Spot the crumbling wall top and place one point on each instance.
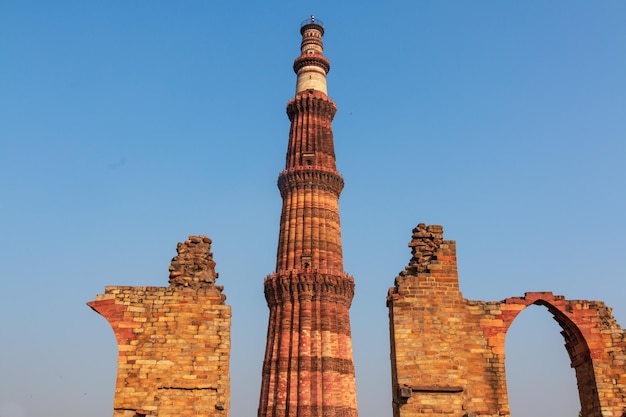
(193, 266)
(424, 244)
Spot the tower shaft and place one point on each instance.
(308, 369)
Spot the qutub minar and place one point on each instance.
(308, 368)
(446, 352)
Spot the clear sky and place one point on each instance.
(126, 126)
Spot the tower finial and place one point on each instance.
(311, 66)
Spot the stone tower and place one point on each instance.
(308, 369)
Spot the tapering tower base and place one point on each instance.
(308, 369)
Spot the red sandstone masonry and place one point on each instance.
(448, 352)
(173, 343)
(308, 369)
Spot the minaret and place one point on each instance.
(308, 369)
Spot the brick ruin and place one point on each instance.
(447, 352)
(173, 342)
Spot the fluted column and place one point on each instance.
(308, 369)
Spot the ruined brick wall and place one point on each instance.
(174, 342)
(441, 363)
(594, 341)
(447, 352)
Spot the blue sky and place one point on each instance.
(129, 125)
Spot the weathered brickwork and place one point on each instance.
(194, 266)
(173, 343)
(447, 352)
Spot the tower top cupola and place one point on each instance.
(311, 66)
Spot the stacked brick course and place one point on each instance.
(447, 352)
(173, 343)
(194, 266)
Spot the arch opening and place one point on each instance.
(540, 378)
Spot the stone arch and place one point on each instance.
(447, 352)
(594, 341)
(575, 343)
(579, 354)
